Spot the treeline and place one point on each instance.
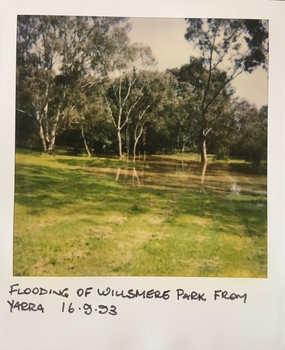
(81, 84)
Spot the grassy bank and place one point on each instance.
(73, 218)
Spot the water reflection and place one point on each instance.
(129, 173)
(236, 188)
(204, 167)
(174, 175)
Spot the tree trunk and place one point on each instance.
(42, 130)
(136, 140)
(52, 138)
(128, 141)
(42, 136)
(120, 144)
(44, 122)
(85, 142)
(135, 149)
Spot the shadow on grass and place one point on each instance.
(176, 228)
(241, 215)
(40, 187)
(97, 162)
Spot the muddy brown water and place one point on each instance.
(160, 173)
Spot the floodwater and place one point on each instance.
(161, 173)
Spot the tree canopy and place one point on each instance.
(81, 84)
(225, 49)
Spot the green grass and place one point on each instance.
(72, 218)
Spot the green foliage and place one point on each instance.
(240, 44)
(204, 104)
(56, 58)
(226, 48)
(223, 153)
(138, 101)
(81, 86)
(250, 142)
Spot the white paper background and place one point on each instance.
(148, 324)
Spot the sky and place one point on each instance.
(166, 38)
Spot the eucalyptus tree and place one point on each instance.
(35, 75)
(225, 48)
(55, 56)
(88, 120)
(192, 79)
(159, 97)
(125, 91)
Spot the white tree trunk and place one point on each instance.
(85, 142)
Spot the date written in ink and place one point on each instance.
(88, 309)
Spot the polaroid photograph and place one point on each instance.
(143, 190)
(132, 165)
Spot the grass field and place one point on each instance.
(74, 218)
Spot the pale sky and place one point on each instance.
(166, 38)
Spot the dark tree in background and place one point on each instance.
(250, 139)
(225, 48)
(193, 79)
